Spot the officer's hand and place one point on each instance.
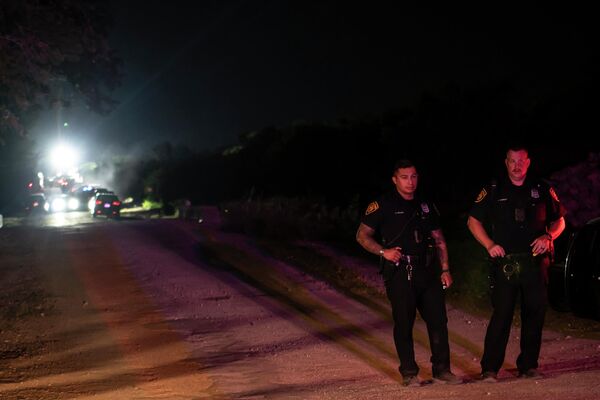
(496, 250)
(392, 254)
(446, 279)
(540, 245)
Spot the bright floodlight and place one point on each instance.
(64, 158)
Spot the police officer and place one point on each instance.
(408, 228)
(523, 216)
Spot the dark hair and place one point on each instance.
(517, 146)
(403, 163)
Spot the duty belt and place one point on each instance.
(409, 260)
(514, 264)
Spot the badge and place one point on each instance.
(554, 195)
(481, 195)
(374, 206)
(534, 193)
(425, 208)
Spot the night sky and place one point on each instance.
(201, 74)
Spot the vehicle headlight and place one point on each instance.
(73, 203)
(58, 205)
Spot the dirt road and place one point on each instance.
(169, 309)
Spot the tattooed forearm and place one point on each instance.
(364, 236)
(442, 249)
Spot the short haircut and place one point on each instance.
(517, 146)
(403, 163)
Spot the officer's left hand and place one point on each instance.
(446, 279)
(540, 245)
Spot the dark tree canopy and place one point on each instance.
(53, 53)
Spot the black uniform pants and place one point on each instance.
(424, 293)
(531, 286)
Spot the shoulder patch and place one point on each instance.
(481, 195)
(374, 206)
(554, 195)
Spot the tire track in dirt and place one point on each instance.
(261, 271)
(104, 339)
(154, 354)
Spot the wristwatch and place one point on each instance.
(381, 252)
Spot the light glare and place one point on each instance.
(64, 158)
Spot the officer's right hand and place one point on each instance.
(495, 250)
(392, 254)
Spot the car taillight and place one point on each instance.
(116, 203)
(98, 202)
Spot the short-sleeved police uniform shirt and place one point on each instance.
(403, 223)
(517, 214)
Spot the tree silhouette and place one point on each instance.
(52, 53)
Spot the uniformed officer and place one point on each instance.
(409, 228)
(523, 216)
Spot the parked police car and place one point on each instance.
(582, 271)
(574, 283)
